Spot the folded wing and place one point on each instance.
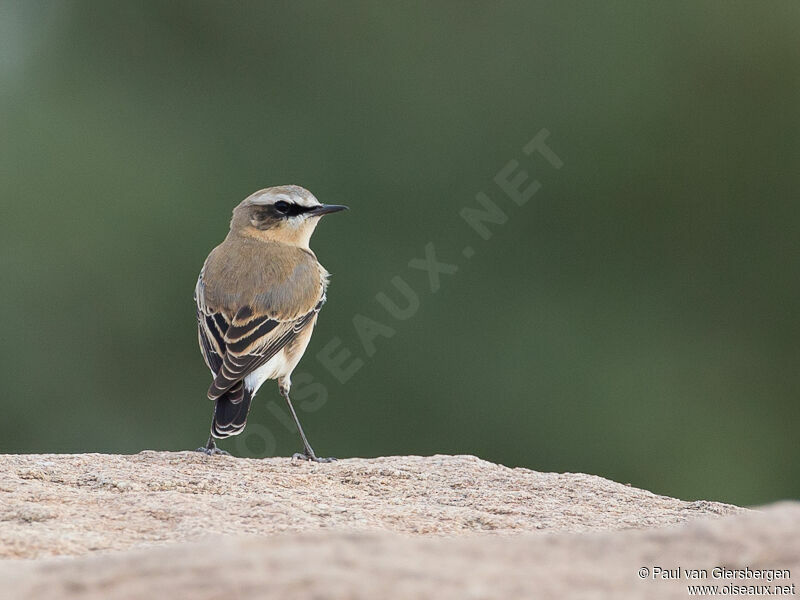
(233, 347)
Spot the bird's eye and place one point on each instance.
(282, 206)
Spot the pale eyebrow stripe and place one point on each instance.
(306, 202)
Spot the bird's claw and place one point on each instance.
(311, 457)
(213, 451)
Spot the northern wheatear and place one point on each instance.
(258, 296)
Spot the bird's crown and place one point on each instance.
(290, 194)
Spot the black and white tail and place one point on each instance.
(230, 411)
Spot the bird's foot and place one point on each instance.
(214, 451)
(211, 449)
(311, 457)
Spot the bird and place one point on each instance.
(258, 297)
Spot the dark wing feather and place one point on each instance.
(212, 340)
(251, 342)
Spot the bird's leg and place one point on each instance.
(211, 448)
(308, 453)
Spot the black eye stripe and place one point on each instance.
(289, 209)
(279, 210)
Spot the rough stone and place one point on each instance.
(188, 525)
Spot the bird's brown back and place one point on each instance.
(272, 278)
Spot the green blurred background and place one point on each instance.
(638, 319)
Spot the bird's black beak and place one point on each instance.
(325, 209)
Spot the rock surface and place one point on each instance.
(394, 527)
(389, 566)
(73, 504)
